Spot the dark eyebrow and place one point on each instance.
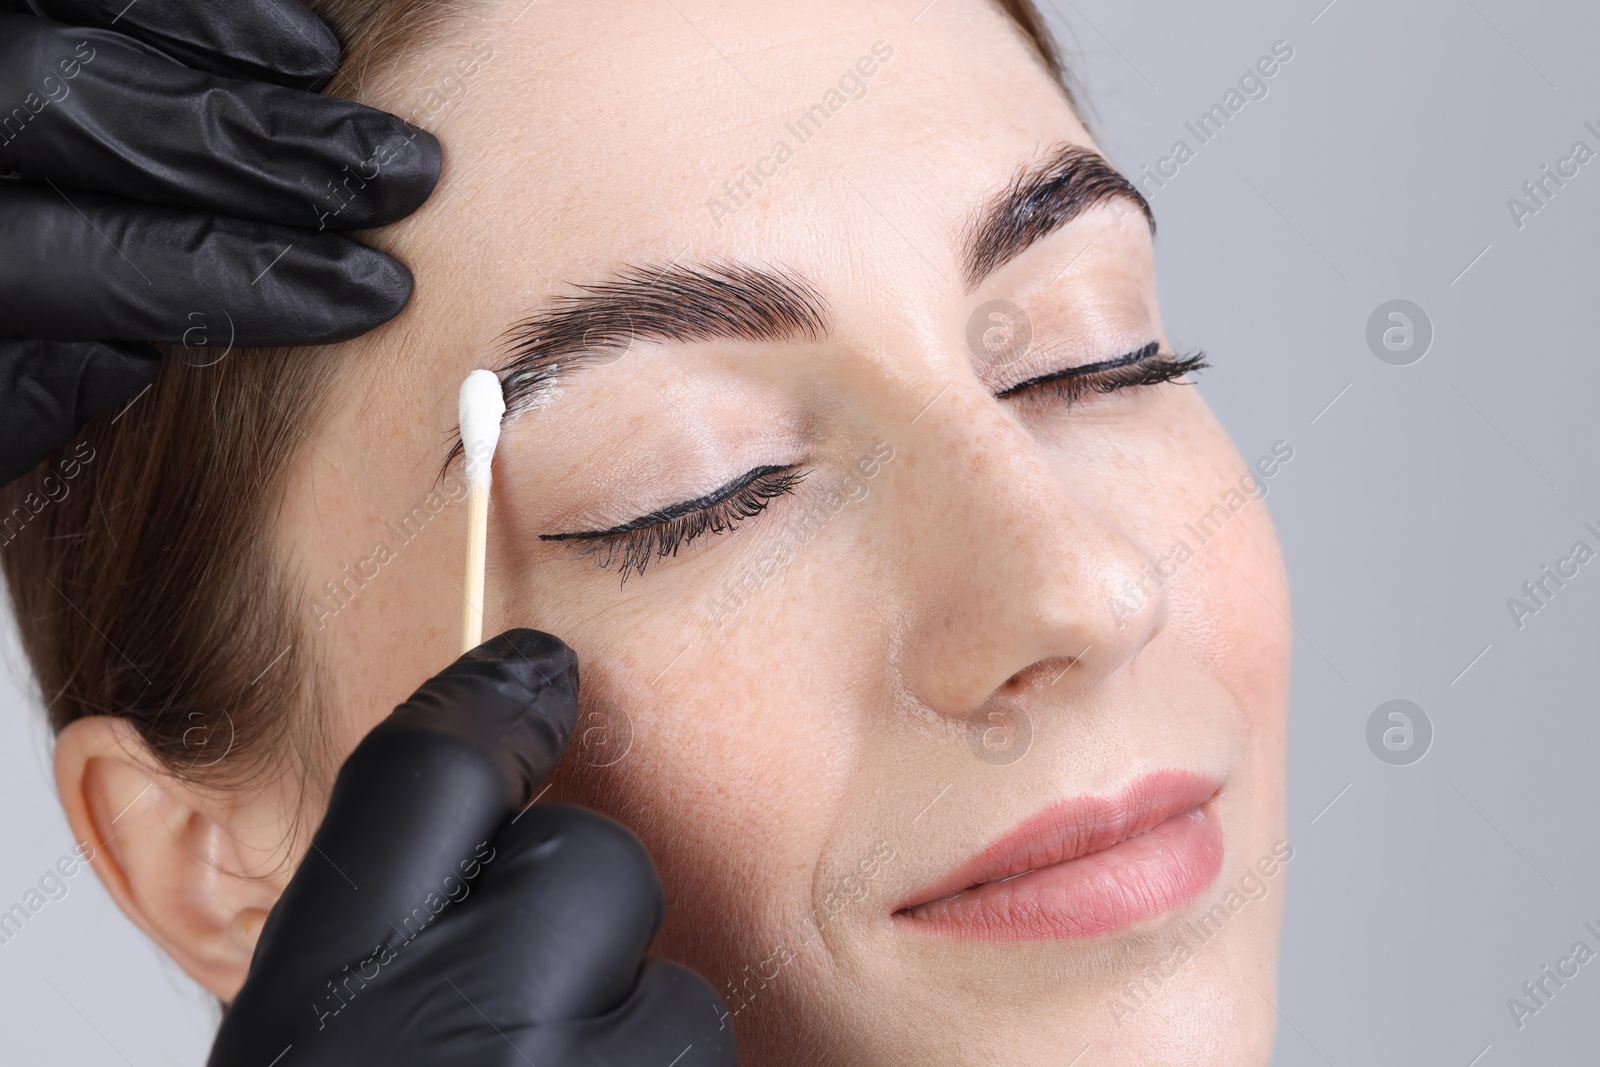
(720, 301)
(1041, 199)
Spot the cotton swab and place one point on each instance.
(480, 407)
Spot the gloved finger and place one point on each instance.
(100, 111)
(673, 1017)
(49, 389)
(262, 40)
(575, 901)
(414, 804)
(101, 267)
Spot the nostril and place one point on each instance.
(1043, 673)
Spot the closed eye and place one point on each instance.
(1147, 366)
(633, 544)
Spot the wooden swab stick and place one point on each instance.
(477, 543)
(480, 408)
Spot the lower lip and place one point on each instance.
(1101, 893)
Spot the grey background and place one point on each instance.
(1419, 500)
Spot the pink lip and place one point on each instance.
(1083, 867)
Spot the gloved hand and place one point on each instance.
(431, 923)
(175, 178)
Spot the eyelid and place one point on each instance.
(1135, 370)
(654, 536)
(1084, 369)
(665, 515)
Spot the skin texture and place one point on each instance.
(762, 756)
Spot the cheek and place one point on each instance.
(1229, 602)
(1231, 613)
(1234, 610)
(729, 751)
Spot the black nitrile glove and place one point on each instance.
(174, 177)
(431, 924)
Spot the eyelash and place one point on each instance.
(662, 533)
(1143, 367)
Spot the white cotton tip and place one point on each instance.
(481, 406)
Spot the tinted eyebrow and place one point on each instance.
(681, 303)
(1041, 199)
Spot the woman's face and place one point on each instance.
(904, 605)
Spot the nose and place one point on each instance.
(1015, 573)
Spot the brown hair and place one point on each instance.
(140, 559)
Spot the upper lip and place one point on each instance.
(1074, 827)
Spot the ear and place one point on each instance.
(169, 852)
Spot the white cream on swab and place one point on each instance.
(480, 408)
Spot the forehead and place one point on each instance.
(589, 133)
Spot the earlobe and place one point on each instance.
(165, 850)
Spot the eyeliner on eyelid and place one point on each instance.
(1136, 356)
(1146, 366)
(662, 533)
(675, 511)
